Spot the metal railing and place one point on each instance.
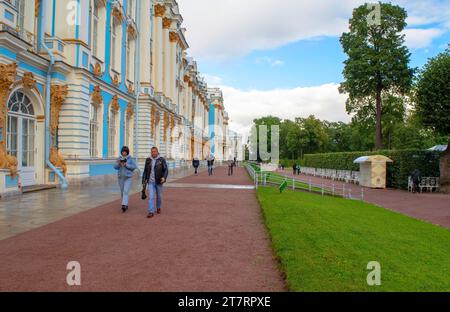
(268, 178)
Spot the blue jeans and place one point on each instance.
(125, 187)
(154, 190)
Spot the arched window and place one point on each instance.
(20, 130)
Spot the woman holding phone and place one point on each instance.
(125, 166)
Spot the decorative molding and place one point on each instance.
(115, 80)
(97, 98)
(130, 89)
(166, 125)
(7, 77)
(58, 96)
(174, 37)
(58, 160)
(8, 161)
(117, 13)
(28, 80)
(153, 119)
(160, 10)
(167, 22)
(98, 69)
(37, 6)
(131, 31)
(130, 110)
(115, 103)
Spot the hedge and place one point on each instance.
(405, 161)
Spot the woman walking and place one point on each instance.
(125, 166)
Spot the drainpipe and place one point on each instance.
(137, 79)
(64, 183)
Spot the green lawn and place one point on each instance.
(325, 244)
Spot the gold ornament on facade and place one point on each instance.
(166, 125)
(8, 161)
(117, 13)
(173, 37)
(58, 160)
(157, 118)
(167, 22)
(186, 79)
(97, 69)
(7, 77)
(58, 96)
(130, 88)
(97, 98)
(130, 110)
(172, 126)
(160, 10)
(153, 119)
(115, 80)
(115, 103)
(131, 31)
(37, 5)
(28, 81)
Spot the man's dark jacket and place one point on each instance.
(161, 170)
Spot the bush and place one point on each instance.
(405, 161)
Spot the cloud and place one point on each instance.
(417, 38)
(223, 29)
(323, 101)
(269, 61)
(212, 81)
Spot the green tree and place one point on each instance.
(433, 94)
(377, 60)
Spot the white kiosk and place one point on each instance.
(373, 171)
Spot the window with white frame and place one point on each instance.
(128, 130)
(95, 28)
(112, 133)
(93, 131)
(130, 8)
(129, 58)
(114, 40)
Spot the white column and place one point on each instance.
(166, 62)
(145, 30)
(158, 47)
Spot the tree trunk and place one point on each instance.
(445, 170)
(378, 130)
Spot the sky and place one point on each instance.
(283, 57)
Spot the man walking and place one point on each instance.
(210, 161)
(154, 177)
(196, 164)
(231, 165)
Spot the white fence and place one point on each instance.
(332, 174)
(265, 178)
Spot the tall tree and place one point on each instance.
(433, 105)
(433, 94)
(377, 58)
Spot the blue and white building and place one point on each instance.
(80, 79)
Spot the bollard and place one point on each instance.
(323, 190)
(362, 194)
(293, 184)
(333, 189)
(310, 189)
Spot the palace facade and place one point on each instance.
(80, 79)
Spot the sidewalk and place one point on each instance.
(431, 207)
(205, 240)
(29, 211)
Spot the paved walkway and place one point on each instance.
(206, 240)
(32, 210)
(430, 207)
